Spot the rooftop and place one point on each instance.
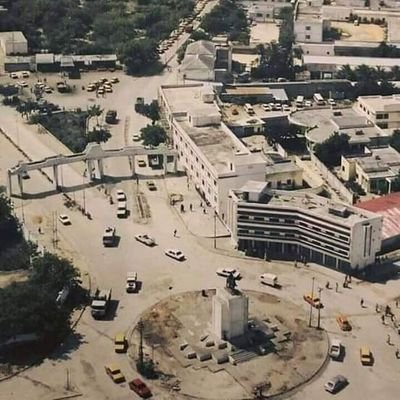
(381, 103)
(15, 36)
(352, 61)
(389, 207)
(343, 214)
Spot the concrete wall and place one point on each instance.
(336, 13)
(308, 31)
(317, 49)
(332, 180)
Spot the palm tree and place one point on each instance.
(93, 111)
(346, 72)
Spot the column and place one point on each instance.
(55, 173)
(9, 183)
(100, 164)
(89, 169)
(21, 188)
(175, 163)
(165, 164)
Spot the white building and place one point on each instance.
(214, 159)
(298, 226)
(383, 111)
(13, 43)
(310, 30)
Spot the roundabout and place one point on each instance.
(278, 352)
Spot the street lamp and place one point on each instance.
(312, 296)
(319, 309)
(215, 229)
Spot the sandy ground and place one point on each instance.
(360, 33)
(264, 33)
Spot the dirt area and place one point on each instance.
(264, 33)
(360, 33)
(172, 330)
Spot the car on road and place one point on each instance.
(145, 239)
(175, 254)
(120, 343)
(140, 388)
(114, 372)
(91, 87)
(313, 300)
(151, 186)
(343, 323)
(121, 196)
(64, 219)
(25, 74)
(23, 83)
(142, 163)
(336, 384)
(136, 138)
(331, 102)
(14, 75)
(225, 272)
(335, 349)
(48, 89)
(366, 356)
(114, 79)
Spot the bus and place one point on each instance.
(299, 101)
(249, 109)
(319, 99)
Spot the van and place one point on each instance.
(319, 99)
(121, 211)
(249, 109)
(269, 279)
(366, 356)
(299, 101)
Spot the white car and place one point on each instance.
(25, 74)
(225, 272)
(14, 75)
(48, 89)
(23, 83)
(331, 102)
(145, 239)
(114, 80)
(64, 219)
(286, 107)
(266, 107)
(307, 103)
(136, 138)
(336, 349)
(121, 196)
(175, 254)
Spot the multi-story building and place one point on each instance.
(383, 111)
(214, 159)
(300, 226)
(310, 29)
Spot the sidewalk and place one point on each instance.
(197, 216)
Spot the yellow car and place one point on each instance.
(366, 356)
(120, 343)
(313, 300)
(114, 372)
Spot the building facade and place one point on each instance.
(383, 111)
(310, 30)
(298, 226)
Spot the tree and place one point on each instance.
(10, 229)
(93, 111)
(395, 139)
(286, 31)
(98, 135)
(331, 150)
(138, 55)
(153, 135)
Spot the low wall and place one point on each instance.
(332, 180)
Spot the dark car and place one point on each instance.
(140, 388)
(336, 383)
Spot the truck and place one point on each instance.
(269, 279)
(111, 117)
(100, 303)
(109, 236)
(131, 282)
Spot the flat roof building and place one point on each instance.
(299, 226)
(13, 43)
(383, 111)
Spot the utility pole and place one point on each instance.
(84, 200)
(311, 306)
(140, 355)
(319, 309)
(215, 229)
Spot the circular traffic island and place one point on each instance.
(277, 353)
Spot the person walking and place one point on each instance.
(175, 232)
(397, 353)
(388, 339)
(191, 207)
(362, 303)
(337, 287)
(383, 319)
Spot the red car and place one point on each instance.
(140, 388)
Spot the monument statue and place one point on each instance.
(231, 282)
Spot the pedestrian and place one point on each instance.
(327, 284)
(337, 287)
(39, 230)
(392, 317)
(295, 263)
(362, 303)
(191, 206)
(388, 339)
(201, 204)
(349, 280)
(175, 232)
(376, 307)
(397, 304)
(383, 319)
(397, 353)
(204, 211)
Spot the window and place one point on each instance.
(383, 125)
(274, 219)
(308, 37)
(308, 28)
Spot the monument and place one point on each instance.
(230, 311)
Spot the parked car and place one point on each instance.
(343, 322)
(151, 186)
(25, 74)
(331, 102)
(23, 83)
(366, 356)
(313, 300)
(141, 163)
(114, 372)
(120, 195)
(336, 384)
(25, 175)
(225, 272)
(64, 219)
(145, 239)
(114, 79)
(140, 388)
(308, 103)
(13, 75)
(335, 349)
(48, 89)
(120, 343)
(136, 138)
(175, 254)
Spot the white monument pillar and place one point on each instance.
(230, 313)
